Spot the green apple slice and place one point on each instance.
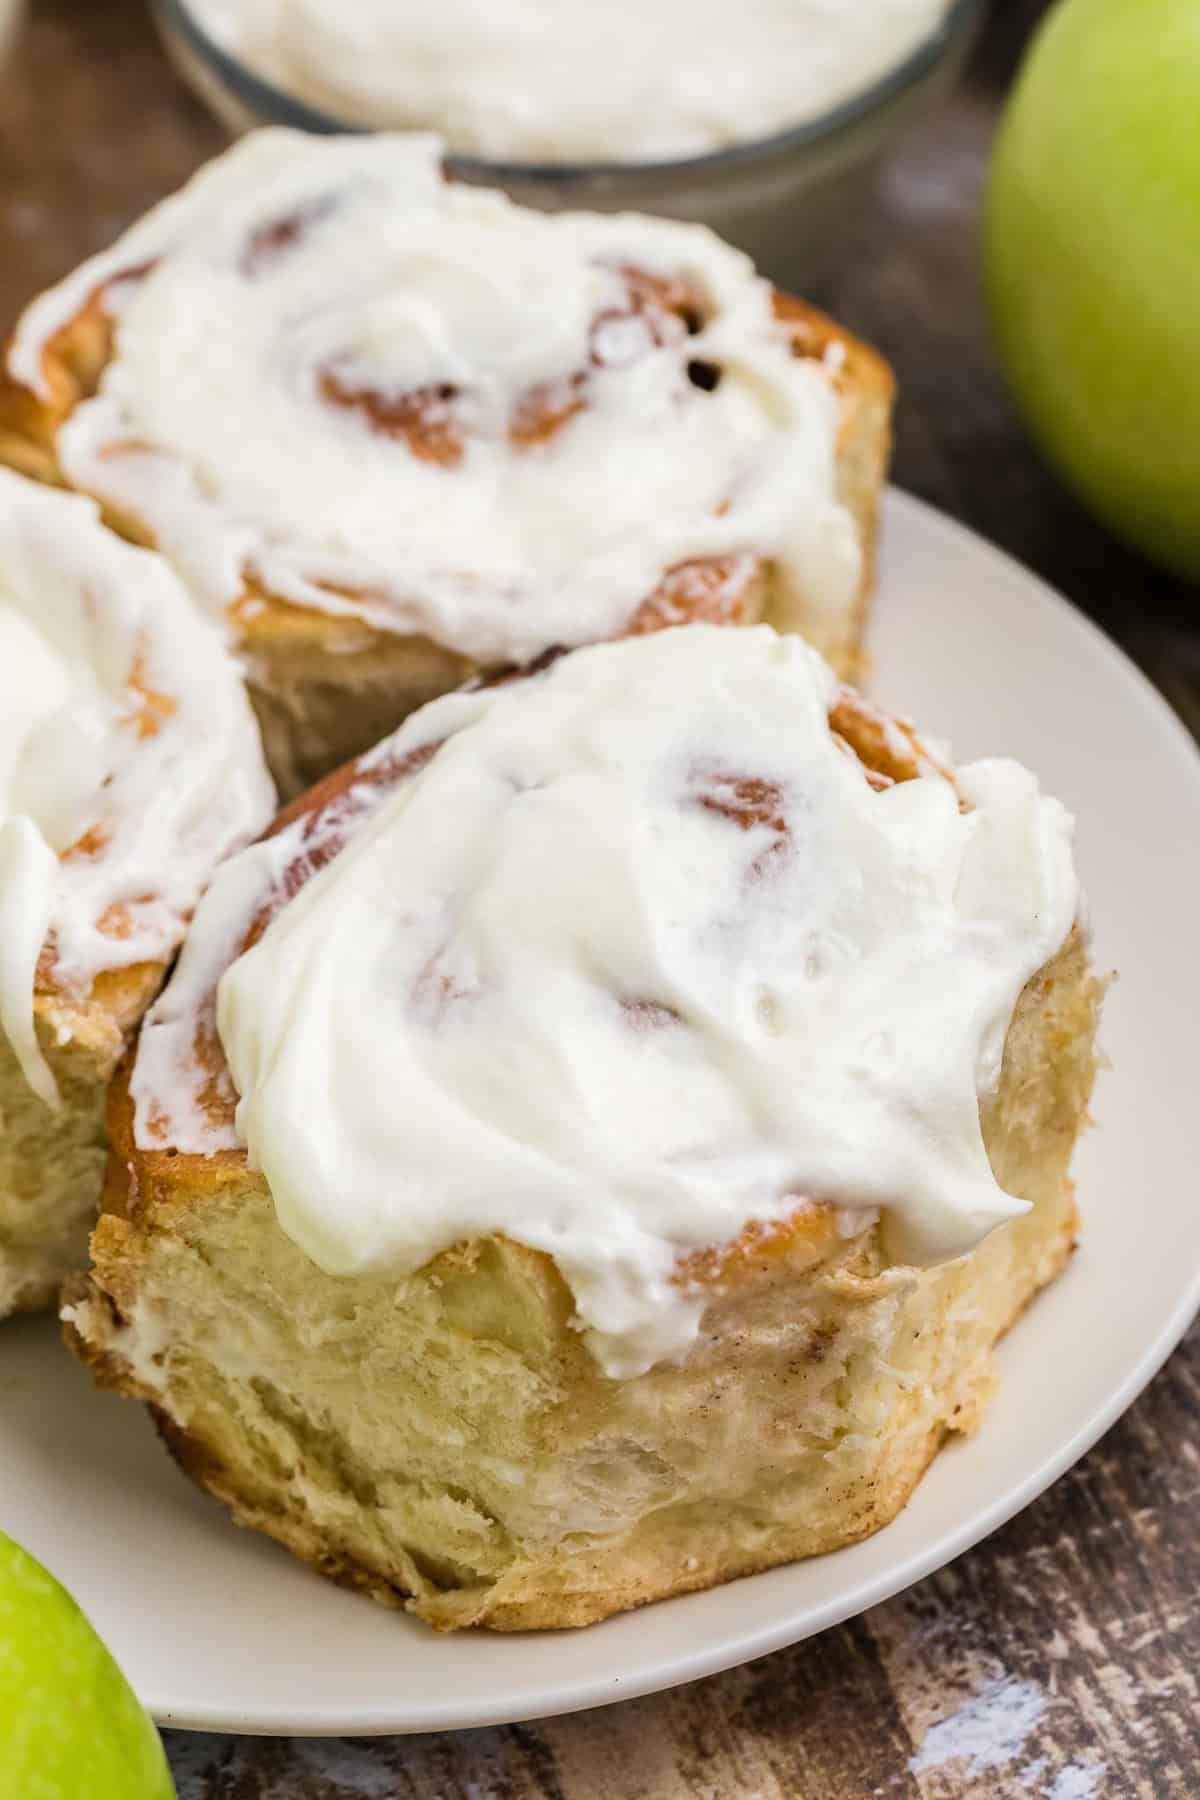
(71, 1727)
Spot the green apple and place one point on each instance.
(70, 1726)
(1092, 261)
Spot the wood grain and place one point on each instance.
(1081, 1617)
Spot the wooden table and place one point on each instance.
(1065, 1651)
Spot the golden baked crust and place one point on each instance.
(326, 686)
(445, 1440)
(52, 1164)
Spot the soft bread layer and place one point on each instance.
(52, 1163)
(447, 1442)
(326, 687)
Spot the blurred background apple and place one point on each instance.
(1092, 261)
(71, 1727)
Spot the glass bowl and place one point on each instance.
(790, 200)
(11, 13)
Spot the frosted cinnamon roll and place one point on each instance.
(395, 429)
(589, 1148)
(130, 764)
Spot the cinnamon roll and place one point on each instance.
(395, 430)
(130, 763)
(590, 1146)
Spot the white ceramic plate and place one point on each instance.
(220, 1629)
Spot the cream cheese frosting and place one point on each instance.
(637, 957)
(129, 756)
(569, 80)
(344, 381)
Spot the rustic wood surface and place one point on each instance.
(1061, 1657)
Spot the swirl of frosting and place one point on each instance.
(670, 939)
(130, 761)
(330, 376)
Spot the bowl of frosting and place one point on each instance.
(765, 120)
(11, 12)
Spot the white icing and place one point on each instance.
(214, 423)
(569, 80)
(169, 1080)
(28, 873)
(88, 627)
(551, 988)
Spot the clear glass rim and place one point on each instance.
(254, 90)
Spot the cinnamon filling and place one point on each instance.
(421, 418)
(660, 310)
(270, 243)
(746, 800)
(713, 590)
